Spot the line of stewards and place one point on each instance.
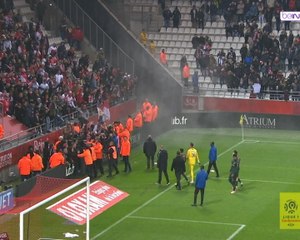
(125, 152)
(88, 160)
(112, 159)
(56, 159)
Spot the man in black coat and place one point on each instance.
(178, 165)
(162, 164)
(149, 150)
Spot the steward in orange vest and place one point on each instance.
(36, 163)
(57, 159)
(163, 57)
(24, 166)
(129, 124)
(88, 160)
(98, 147)
(125, 152)
(186, 74)
(154, 112)
(112, 159)
(138, 120)
(148, 115)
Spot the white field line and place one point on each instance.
(272, 142)
(266, 181)
(241, 226)
(185, 220)
(151, 200)
(236, 232)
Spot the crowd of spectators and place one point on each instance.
(40, 82)
(269, 57)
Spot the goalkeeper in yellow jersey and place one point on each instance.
(192, 158)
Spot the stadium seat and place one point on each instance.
(187, 30)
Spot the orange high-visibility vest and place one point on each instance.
(148, 115)
(98, 150)
(94, 157)
(129, 124)
(125, 148)
(24, 165)
(154, 112)
(56, 159)
(138, 120)
(115, 154)
(87, 156)
(186, 71)
(163, 58)
(37, 163)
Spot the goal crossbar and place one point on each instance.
(85, 180)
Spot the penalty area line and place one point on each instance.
(241, 226)
(236, 232)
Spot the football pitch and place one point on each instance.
(269, 165)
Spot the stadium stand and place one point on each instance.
(44, 78)
(236, 25)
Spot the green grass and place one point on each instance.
(269, 165)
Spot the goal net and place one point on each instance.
(31, 220)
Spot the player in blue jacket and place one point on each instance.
(200, 184)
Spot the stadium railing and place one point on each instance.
(96, 36)
(24, 136)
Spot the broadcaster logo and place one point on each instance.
(290, 16)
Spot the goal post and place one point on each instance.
(85, 181)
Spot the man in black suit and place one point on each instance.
(178, 165)
(162, 164)
(149, 150)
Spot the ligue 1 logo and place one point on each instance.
(290, 206)
(290, 16)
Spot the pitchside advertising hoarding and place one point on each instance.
(290, 16)
(232, 120)
(6, 201)
(102, 197)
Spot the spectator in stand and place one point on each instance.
(40, 10)
(167, 15)
(24, 166)
(194, 14)
(176, 15)
(143, 37)
(200, 18)
(76, 37)
(163, 57)
(152, 47)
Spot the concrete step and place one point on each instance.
(20, 4)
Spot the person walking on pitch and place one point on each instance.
(212, 156)
(200, 184)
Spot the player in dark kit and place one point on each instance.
(239, 181)
(178, 165)
(234, 172)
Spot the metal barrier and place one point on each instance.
(96, 36)
(24, 136)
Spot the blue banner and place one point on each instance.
(6, 201)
